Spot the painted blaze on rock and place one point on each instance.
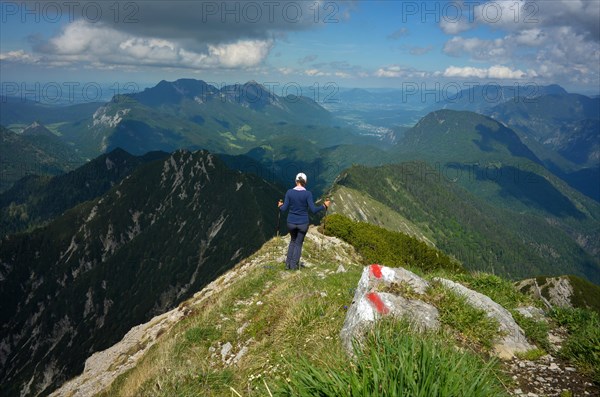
(371, 302)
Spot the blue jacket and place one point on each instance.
(298, 202)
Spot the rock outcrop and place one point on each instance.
(400, 293)
(514, 339)
(553, 291)
(371, 302)
(102, 368)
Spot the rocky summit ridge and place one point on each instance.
(249, 327)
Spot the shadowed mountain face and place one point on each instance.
(564, 131)
(482, 98)
(156, 237)
(489, 160)
(35, 200)
(567, 124)
(529, 188)
(448, 135)
(418, 199)
(35, 151)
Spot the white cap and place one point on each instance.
(301, 175)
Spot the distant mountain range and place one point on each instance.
(567, 124)
(88, 250)
(35, 200)
(489, 160)
(35, 151)
(78, 284)
(563, 131)
(419, 200)
(482, 98)
(193, 114)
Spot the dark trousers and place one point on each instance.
(297, 234)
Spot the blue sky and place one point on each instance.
(350, 43)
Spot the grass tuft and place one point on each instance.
(394, 361)
(583, 344)
(455, 312)
(531, 355)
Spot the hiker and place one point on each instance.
(298, 200)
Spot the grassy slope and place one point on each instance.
(412, 198)
(282, 318)
(287, 323)
(286, 315)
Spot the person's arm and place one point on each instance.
(311, 204)
(286, 202)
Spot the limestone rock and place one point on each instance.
(370, 304)
(553, 291)
(514, 340)
(531, 312)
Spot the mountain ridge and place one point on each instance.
(250, 330)
(125, 253)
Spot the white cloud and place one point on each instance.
(555, 41)
(451, 26)
(390, 71)
(199, 23)
(513, 15)
(19, 56)
(101, 46)
(493, 72)
(315, 73)
(244, 53)
(581, 15)
(531, 37)
(286, 71)
(478, 49)
(342, 75)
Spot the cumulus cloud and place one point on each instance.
(559, 39)
(322, 73)
(493, 72)
(512, 16)
(314, 73)
(390, 71)
(478, 49)
(396, 71)
(18, 56)
(580, 15)
(286, 71)
(99, 45)
(198, 23)
(184, 34)
(452, 26)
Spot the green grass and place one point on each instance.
(531, 355)
(499, 289)
(295, 348)
(394, 362)
(585, 294)
(583, 344)
(536, 331)
(474, 324)
(388, 248)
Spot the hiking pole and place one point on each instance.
(278, 216)
(278, 226)
(324, 221)
(325, 218)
